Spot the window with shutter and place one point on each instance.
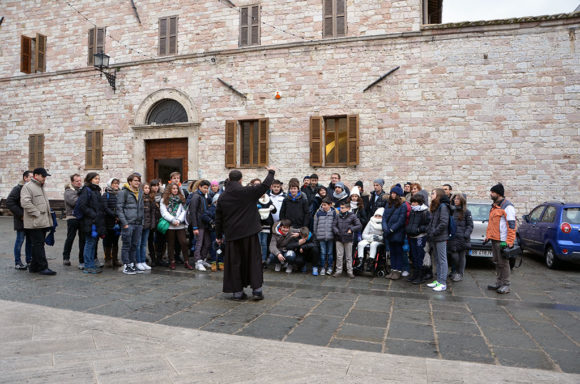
(168, 35)
(25, 54)
(94, 150)
(35, 151)
(334, 141)
(250, 25)
(334, 18)
(253, 146)
(96, 44)
(40, 64)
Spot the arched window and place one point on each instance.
(167, 111)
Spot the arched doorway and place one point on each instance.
(166, 133)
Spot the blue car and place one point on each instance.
(552, 229)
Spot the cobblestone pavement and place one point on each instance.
(536, 326)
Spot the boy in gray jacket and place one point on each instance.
(322, 228)
(345, 225)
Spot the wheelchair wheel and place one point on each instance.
(381, 273)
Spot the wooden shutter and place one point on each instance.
(163, 36)
(340, 19)
(172, 48)
(328, 26)
(263, 142)
(316, 141)
(100, 40)
(25, 54)
(244, 27)
(40, 53)
(94, 150)
(353, 139)
(255, 23)
(91, 47)
(231, 142)
(35, 151)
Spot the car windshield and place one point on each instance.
(571, 215)
(479, 212)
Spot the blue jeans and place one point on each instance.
(290, 257)
(396, 251)
(131, 237)
(326, 249)
(20, 237)
(90, 250)
(263, 237)
(142, 251)
(417, 248)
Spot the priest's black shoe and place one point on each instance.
(493, 287)
(257, 296)
(240, 298)
(47, 272)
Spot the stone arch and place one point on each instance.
(166, 93)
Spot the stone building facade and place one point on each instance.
(470, 103)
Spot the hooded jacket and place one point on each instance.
(280, 243)
(296, 210)
(343, 223)
(35, 206)
(394, 223)
(13, 204)
(374, 229)
(91, 204)
(130, 210)
(110, 201)
(277, 200)
(71, 195)
(266, 208)
(323, 224)
(438, 229)
(375, 201)
(462, 238)
(198, 204)
(418, 221)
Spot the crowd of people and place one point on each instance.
(308, 227)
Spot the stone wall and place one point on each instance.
(469, 106)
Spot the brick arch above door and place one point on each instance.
(167, 93)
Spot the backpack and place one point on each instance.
(77, 211)
(452, 226)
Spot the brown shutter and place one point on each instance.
(231, 139)
(316, 141)
(98, 149)
(353, 139)
(91, 47)
(244, 27)
(25, 53)
(327, 16)
(100, 40)
(172, 49)
(40, 53)
(255, 21)
(162, 36)
(340, 17)
(89, 149)
(32, 151)
(40, 151)
(263, 142)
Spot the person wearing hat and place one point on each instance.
(501, 230)
(340, 194)
(363, 194)
(372, 235)
(37, 220)
(376, 198)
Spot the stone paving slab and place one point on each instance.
(115, 350)
(465, 323)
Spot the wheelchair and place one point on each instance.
(373, 267)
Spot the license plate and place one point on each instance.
(480, 253)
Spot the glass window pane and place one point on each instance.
(342, 140)
(549, 215)
(536, 213)
(572, 215)
(329, 140)
(245, 147)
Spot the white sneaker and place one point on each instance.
(405, 274)
(144, 265)
(199, 266)
(206, 264)
(433, 284)
(277, 267)
(140, 267)
(81, 266)
(136, 269)
(288, 268)
(440, 287)
(322, 272)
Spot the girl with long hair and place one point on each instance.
(460, 243)
(438, 234)
(173, 210)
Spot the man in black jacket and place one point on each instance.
(13, 204)
(295, 206)
(73, 225)
(237, 218)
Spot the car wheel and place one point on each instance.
(551, 259)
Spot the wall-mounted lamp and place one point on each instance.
(102, 61)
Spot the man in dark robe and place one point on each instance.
(238, 220)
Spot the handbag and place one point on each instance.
(163, 226)
(511, 253)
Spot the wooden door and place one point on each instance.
(165, 156)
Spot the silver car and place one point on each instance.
(480, 215)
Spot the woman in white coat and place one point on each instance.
(173, 210)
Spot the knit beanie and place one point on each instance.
(398, 190)
(359, 184)
(355, 191)
(339, 184)
(214, 182)
(379, 211)
(380, 182)
(498, 188)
